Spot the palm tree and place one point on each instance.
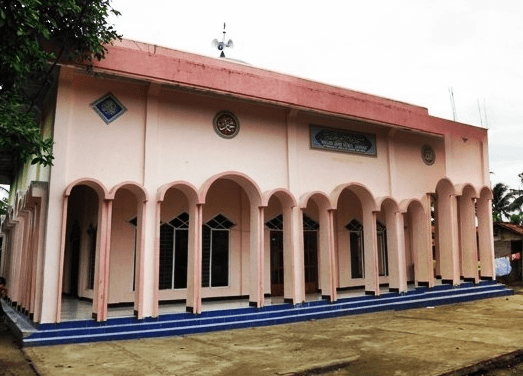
(3, 200)
(501, 205)
(517, 195)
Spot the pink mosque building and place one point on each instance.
(181, 180)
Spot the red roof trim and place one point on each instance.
(148, 62)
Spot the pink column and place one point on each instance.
(468, 243)
(448, 237)
(370, 245)
(396, 251)
(333, 267)
(22, 266)
(62, 257)
(422, 244)
(291, 250)
(194, 269)
(34, 309)
(486, 239)
(256, 297)
(25, 275)
(327, 273)
(140, 249)
(156, 275)
(101, 287)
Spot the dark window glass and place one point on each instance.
(180, 259)
(215, 252)
(166, 256)
(91, 232)
(357, 260)
(174, 239)
(383, 262)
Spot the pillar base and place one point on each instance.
(328, 297)
(373, 293)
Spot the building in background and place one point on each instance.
(180, 179)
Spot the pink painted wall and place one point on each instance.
(182, 145)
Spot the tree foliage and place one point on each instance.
(500, 202)
(4, 205)
(517, 195)
(36, 35)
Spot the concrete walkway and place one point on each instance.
(428, 341)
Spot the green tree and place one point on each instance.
(517, 194)
(516, 218)
(501, 202)
(3, 201)
(35, 36)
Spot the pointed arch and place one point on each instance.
(246, 199)
(172, 199)
(286, 198)
(447, 232)
(485, 235)
(364, 194)
(367, 209)
(391, 245)
(281, 244)
(247, 183)
(137, 189)
(189, 190)
(97, 248)
(321, 243)
(127, 244)
(467, 233)
(418, 243)
(95, 184)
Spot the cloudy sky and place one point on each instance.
(408, 50)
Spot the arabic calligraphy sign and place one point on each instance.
(343, 141)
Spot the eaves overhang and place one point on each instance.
(223, 77)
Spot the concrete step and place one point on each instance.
(185, 323)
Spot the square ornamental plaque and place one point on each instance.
(342, 141)
(108, 108)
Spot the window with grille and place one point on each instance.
(276, 248)
(357, 261)
(310, 249)
(91, 233)
(215, 252)
(383, 264)
(134, 222)
(174, 240)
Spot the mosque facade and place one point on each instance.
(182, 179)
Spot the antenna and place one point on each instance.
(483, 116)
(452, 103)
(485, 113)
(480, 117)
(221, 45)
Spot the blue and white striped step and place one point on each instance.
(186, 323)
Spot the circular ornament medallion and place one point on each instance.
(428, 154)
(226, 124)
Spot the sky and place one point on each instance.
(414, 51)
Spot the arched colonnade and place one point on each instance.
(398, 242)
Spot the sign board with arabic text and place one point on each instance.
(343, 141)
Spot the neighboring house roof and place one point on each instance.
(516, 229)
